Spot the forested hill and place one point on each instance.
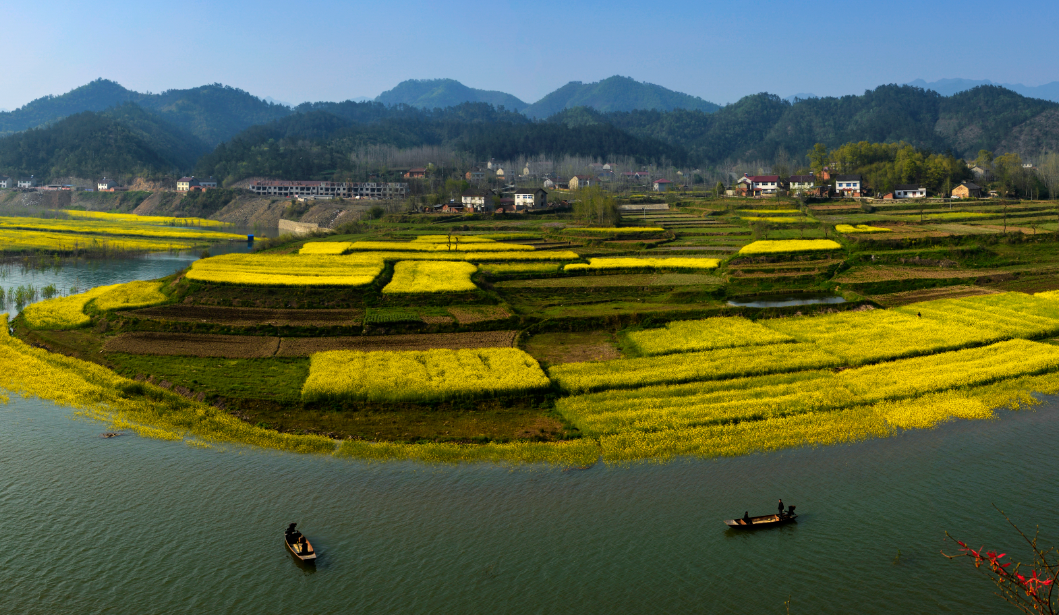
(213, 113)
(442, 93)
(764, 127)
(616, 94)
(121, 142)
(316, 143)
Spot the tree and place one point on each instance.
(818, 158)
(596, 207)
(1048, 171)
(718, 189)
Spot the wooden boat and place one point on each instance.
(291, 538)
(764, 521)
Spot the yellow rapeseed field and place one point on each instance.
(130, 295)
(64, 312)
(14, 240)
(775, 220)
(860, 228)
(789, 245)
(287, 270)
(421, 376)
(691, 366)
(708, 334)
(431, 277)
(325, 247)
(909, 393)
(1051, 295)
(445, 239)
(612, 231)
(427, 246)
(507, 268)
(106, 227)
(1004, 314)
(154, 220)
(644, 263)
(878, 335)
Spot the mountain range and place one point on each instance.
(948, 87)
(102, 127)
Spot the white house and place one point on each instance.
(848, 185)
(474, 175)
(662, 185)
(27, 183)
(531, 197)
(477, 199)
(802, 182)
(5, 182)
(185, 184)
(106, 185)
(910, 191)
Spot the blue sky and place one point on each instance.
(331, 50)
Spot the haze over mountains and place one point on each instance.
(103, 127)
(948, 87)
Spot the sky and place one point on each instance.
(333, 50)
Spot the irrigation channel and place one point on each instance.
(133, 525)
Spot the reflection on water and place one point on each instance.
(23, 282)
(132, 525)
(770, 301)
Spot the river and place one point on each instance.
(133, 525)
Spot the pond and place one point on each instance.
(773, 301)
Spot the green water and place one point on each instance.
(131, 525)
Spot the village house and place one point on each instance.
(328, 190)
(636, 176)
(802, 183)
(5, 182)
(909, 191)
(474, 175)
(478, 200)
(848, 185)
(27, 183)
(531, 197)
(981, 174)
(187, 184)
(662, 185)
(415, 174)
(106, 185)
(579, 182)
(967, 190)
(758, 185)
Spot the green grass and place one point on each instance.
(277, 379)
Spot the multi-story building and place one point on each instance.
(27, 183)
(848, 185)
(478, 200)
(106, 185)
(330, 190)
(5, 182)
(579, 182)
(531, 197)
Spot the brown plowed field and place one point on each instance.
(467, 315)
(189, 345)
(305, 346)
(248, 317)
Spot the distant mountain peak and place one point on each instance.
(948, 87)
(617, 93)
(442, 93)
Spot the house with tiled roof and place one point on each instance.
(661, 185)
(967, 190)
(577, 182)
(849, 185)
(910, 191)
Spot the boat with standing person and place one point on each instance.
(747, 522)
(299, 545)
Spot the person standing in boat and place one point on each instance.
(780, 505)
(746, 517)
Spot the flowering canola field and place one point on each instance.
(789, 245)
(134, 219)
(287, 269)
(131, 295)
(597, 264)
(108, 227)
(422, 376)
(860, 228)
(63, 312)
(708, 334)
(427, 246)
(431, 277)
(15, 240)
